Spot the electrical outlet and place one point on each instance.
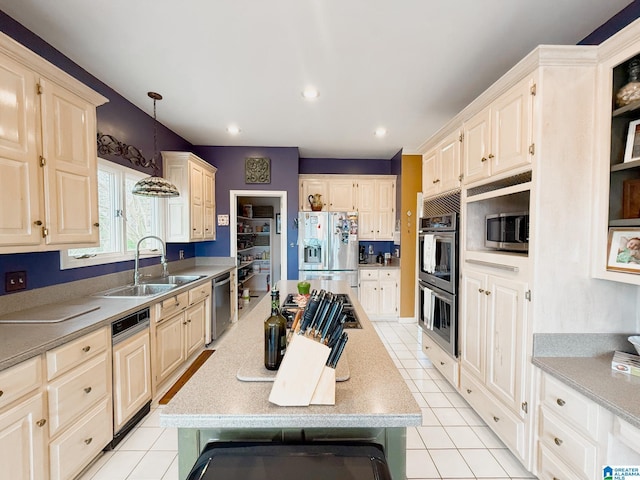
(181, 254)
(14, 281)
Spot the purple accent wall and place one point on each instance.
(230, 176)
(616, 23)
(353, 166)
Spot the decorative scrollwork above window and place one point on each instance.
(109, 145)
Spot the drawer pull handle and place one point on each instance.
(496, 419)
(41, 422)
(87, 390)
(468, 390)
(560, 402)
(86, 349)
(557, 441)
(88, 440)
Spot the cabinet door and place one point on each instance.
(131, 377)
(209, 205)
(430, 173)
(169, 346)
(196, 192)
(472, 323)
(450, 163)
(194, 328)
(311, 187)
(20, 206)
(385, 206)
(388, 295)
(368, 293)
(511, 123)
(366, 209)
(23, 441)
(505, 339)
(342, 196)
(477, 149)
(70, 167)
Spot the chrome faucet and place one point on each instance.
(163, 259)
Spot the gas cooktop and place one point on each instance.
(352, 318)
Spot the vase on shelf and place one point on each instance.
(631, 91)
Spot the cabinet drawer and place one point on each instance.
(509, 427)
(75, 392)
(447, 366)
(71, 354)
(172, 305)
(575, 409)
(566, 443)
(552, 468)
(73, 450)
(369, 274)
(20, 380)
(388, 274)
(199, 293)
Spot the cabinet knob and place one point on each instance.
(487, 292)
(38, 222)
(491, 155)
(41, 422)
(96, 224)
(481, 290)
(441, 363)
(560, 402)
(469, 390)
(437, 180)
(1, 393)
(483, 159)
(557, 441)
(496, 419)
(86, 349)
(87, 441)
(87, 390)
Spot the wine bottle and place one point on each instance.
(275, 334)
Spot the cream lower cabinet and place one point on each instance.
(48, 159)
(191, 216)
(80, 402)
(378, 291)
(492, 352)
(179, 331)
(131, 377)
(23, 422)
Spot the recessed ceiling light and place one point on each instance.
(310, 93)
(380, 132)
(233, 130)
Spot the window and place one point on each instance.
(124, 219)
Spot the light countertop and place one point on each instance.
(22, 340)
(375, 395)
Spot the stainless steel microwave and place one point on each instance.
(507, 231)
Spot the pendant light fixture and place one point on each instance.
(155, 186)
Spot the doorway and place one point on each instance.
(275, 204)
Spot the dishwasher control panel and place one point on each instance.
(123, 328)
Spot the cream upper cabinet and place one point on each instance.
(313, 186)
(376, 208)
(342, 195)
(191, 216)
(441, 166)
(499, 138)
(48, 159)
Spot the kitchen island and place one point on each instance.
(374, 404)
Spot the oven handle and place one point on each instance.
(428, 322)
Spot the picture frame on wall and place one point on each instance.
(632, 148)
(624, 250)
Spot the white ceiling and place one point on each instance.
(407, 65)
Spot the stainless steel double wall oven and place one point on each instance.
(438, 279)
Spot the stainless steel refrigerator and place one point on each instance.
(328, 246)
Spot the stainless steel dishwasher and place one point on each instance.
(220, 305)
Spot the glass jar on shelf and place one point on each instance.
(630, 92)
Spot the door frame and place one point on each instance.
(233, 220)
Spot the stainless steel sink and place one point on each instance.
(142, 290)
(172, 279)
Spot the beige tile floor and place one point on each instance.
(452, 443)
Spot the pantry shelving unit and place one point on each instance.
(255, 238)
